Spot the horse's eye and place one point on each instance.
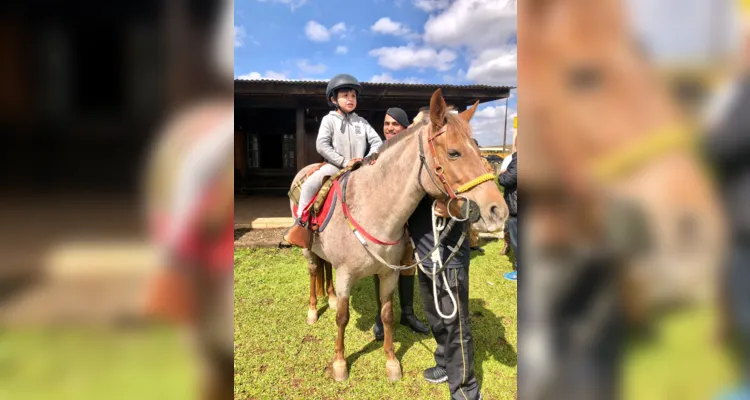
(584, 78)
(453, 153)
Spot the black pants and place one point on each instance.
(455, 344)
(512, 226)
(735, 285)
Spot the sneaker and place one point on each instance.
(477, 249)
(435, 374)
(511, 276)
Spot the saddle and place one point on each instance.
(322, 206)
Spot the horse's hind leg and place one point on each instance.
(388, 283)
(343, 288)
(329, 285)
(314, 264)
(320, 280)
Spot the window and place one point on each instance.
(288, 152)
(253, 151)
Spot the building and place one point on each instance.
(276, 122)
(497, 150)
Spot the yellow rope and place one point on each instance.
(619, 164)
(475, 182)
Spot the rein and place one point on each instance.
(361, 234)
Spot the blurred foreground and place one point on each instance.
(87, 92)
(626, 226)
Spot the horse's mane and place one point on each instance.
(420, 121)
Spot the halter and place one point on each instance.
(438, 169)
(618, 165)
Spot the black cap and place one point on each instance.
(399, 115)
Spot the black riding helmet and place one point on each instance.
(399, 115)
(341, 81)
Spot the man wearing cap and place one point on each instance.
(395, 122)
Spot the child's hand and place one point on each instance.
(353, 162)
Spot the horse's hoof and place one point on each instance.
(393, 370)
(312, 316)
(340, 373)
(332, 303)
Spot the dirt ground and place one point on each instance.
(246, 238)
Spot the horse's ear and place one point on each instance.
(466, 115)
(437, 110)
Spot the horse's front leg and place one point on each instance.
(388, 282)
(329, 285)
(343, 288)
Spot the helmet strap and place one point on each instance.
(336, 105)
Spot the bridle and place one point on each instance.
(439, 171)
(446, 189)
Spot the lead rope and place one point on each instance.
(438, 224)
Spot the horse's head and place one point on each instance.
(601, 125)
(454, 169)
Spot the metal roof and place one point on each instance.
(377, 84)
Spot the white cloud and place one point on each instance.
(305, 66)
(497, 66)
(487, 124)
(338, 28)
(455, 79)
(293, 4)
(317, 32)
(684, 30)
(388, 78)
(467, 23)
(387, 26)
(411, 56)
(431, 5)
(239, 36)
(268, 75)
(463, 24)
(341, 50)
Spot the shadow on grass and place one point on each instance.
(363, 301)
(489, 338)
(510, 254)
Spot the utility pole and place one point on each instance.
(505, 126)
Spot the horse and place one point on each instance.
(401, 176)
(614, 180)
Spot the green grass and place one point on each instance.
(277, 355)
(83, 364)
(681, 362)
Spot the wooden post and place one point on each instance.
(300, 153)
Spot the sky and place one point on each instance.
(685, 31)
(459, 42)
